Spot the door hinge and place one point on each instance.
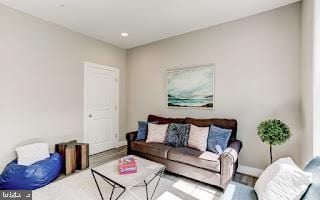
(116, 80)
(116, 107)
(116, 135)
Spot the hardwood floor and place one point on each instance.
(106, 156)
(245, 179)
(101, 158)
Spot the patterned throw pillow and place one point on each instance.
(177, 135)
(143, 130)
(218, 139)
(198, 137)
(156, 133)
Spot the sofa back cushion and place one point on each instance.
(163, 120)
(222, 123)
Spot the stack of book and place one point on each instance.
(127, 165)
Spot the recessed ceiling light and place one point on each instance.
(124, 34)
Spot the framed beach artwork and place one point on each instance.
(191, 88)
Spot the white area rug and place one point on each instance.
(81, 186)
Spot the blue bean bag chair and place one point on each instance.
(39, 174)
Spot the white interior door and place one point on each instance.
(101, 107)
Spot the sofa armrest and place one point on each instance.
(229, 162)
(131, 136)
(232, 151)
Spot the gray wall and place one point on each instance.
(257, 77)
(257, 66)
(41, 80)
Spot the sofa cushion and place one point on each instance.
(163, 120)
(155, 149)
(222, 123)
(177, 135)
(206, 160)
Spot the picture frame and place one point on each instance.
(191, 87)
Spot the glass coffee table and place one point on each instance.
(146, 169)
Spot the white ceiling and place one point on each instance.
(145, 20)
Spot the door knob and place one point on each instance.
(90, 115)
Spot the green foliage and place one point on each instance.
(273, 132)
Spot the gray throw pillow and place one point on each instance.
(177, 135)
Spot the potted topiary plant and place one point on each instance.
(273, 132)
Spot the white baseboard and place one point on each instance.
(122, 143)
(243, 169)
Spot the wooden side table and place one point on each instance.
(82, 152)
(75, 155)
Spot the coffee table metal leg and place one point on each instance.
(112, 192)
(161, 173)
(120, 194)
(114, 186)
(147, 193)
(95, 180)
